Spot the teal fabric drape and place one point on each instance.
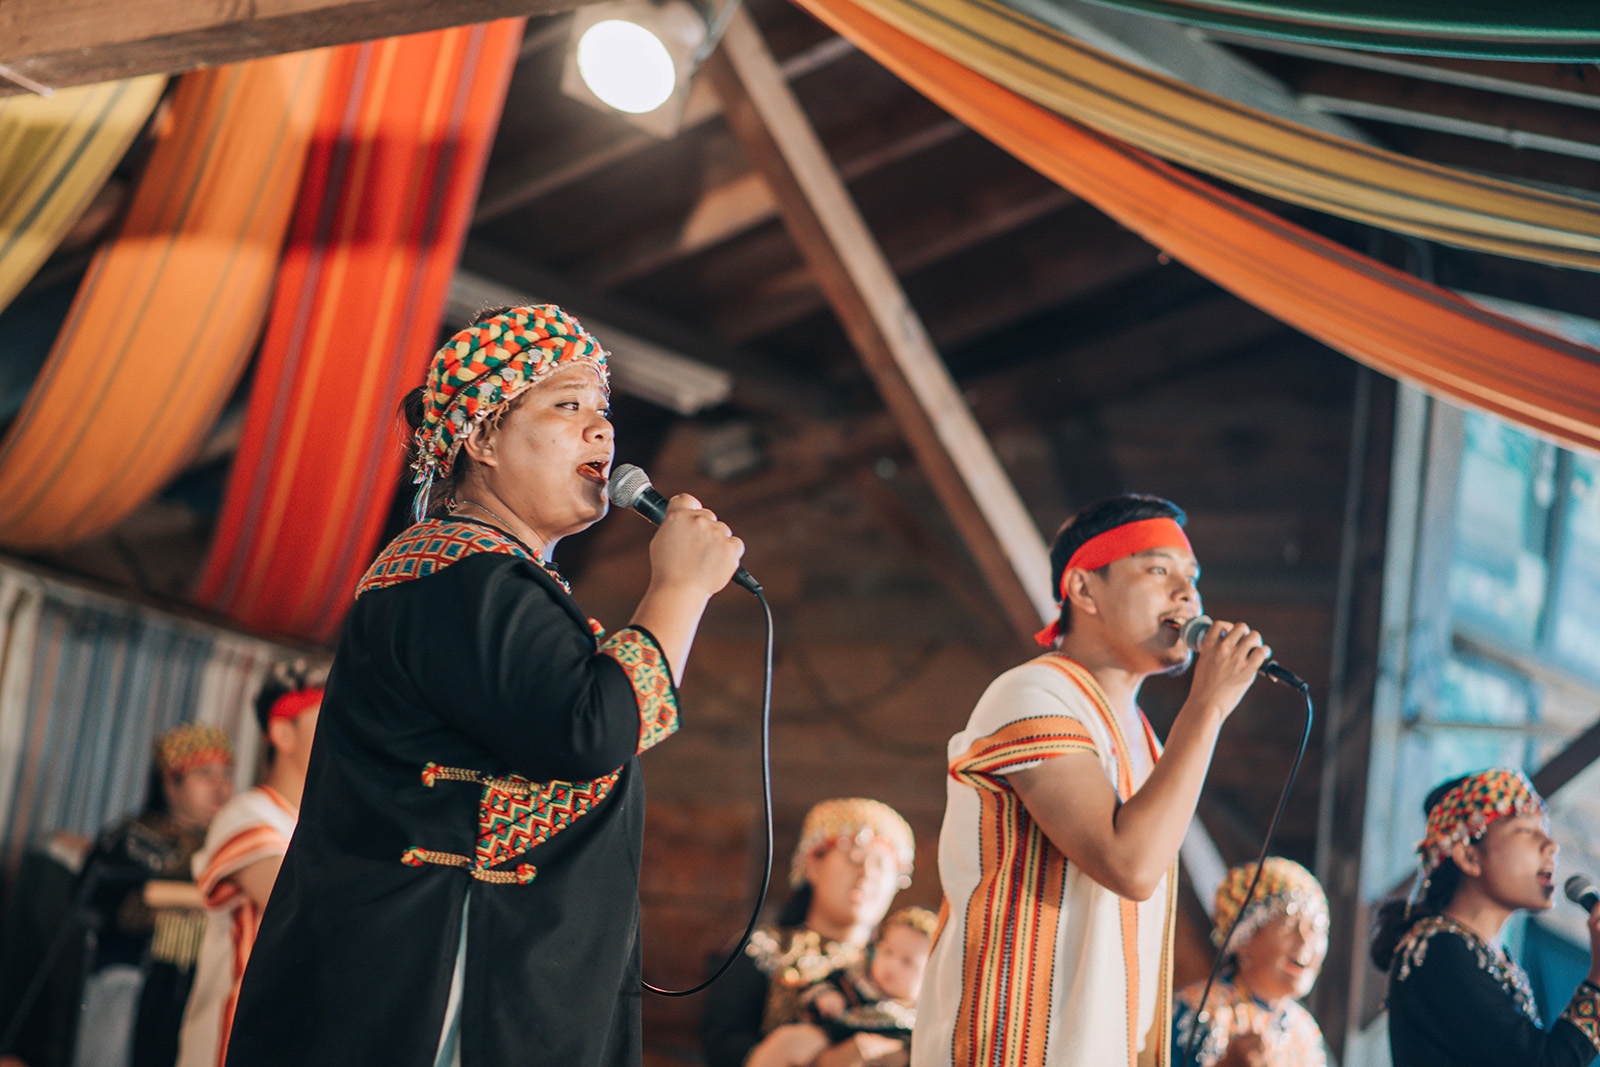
(1566, 31)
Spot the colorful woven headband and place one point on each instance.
(1286, 888)
(293, 705)
(1467, 810)
(482, 369)
(183, 748)
(1116, 543)
(857, 820)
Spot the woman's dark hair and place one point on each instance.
(282, 679)
(1095, 520)
(1393, 918)
(155, 796)
(413, 408)
(797, 907)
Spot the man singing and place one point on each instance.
(1064, 816)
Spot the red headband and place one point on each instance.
(1116, 543)
(291, 705)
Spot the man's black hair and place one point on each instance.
(1095, 520)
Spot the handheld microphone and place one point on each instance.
(1582, 892)
(1194, 631)
(630, 488)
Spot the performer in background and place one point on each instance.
(1063, 817)
(462, 886)
(853, 855)
(144, 963)
(1251, 1017)
(243, 850)
(1455, 998)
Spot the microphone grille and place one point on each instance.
(1576, 887)
(626, 485)
(1194, 630)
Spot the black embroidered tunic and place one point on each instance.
(1455, 1001)
(476, 737)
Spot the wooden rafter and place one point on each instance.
(886, 331)
(74, 42)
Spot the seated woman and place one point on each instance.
(1251, 1017)
(875, 995)
(145, 948)
(1455, 997)
(853, 856)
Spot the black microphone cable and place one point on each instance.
(1202, 1015)
(766, 796)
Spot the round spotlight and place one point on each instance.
(626, 65)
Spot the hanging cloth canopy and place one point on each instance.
(403, 137)
(1382, 317)
(165, 319)
(1552, 31)
(59, 151)
(1248, 147)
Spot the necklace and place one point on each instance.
(486, 511)
(548, 565)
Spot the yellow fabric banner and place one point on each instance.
(58, 152)
(167, 315)
(1388, 320)
(1248, 147)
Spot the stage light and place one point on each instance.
(626, 66)
(636, 58)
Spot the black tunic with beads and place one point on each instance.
(478, 740)
(1455, 1001)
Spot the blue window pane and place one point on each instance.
(1472, 692)
(1575, 622)
(1504, 494)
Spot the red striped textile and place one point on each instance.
(403, 136)
(165, 319)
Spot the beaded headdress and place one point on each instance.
(857, 820)
(1467, 810)
(485, 367)
(183, 748)
(921, 920)
(1286, 888)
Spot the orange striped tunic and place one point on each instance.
(1035, 964)
(254, 825)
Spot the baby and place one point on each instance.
(879, 998)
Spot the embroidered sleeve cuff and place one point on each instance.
(1584, 1012)
(1017, 746)
(636, 652)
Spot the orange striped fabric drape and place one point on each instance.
(165, 319)
(403, 136)
(1384, 318)
(1246, 146)
(58, 153)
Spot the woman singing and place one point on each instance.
(463, 884)
(1455, 998)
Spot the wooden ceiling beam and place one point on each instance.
(759, 383)
(787, 298)
(531, 175)
(950, 447)
(74, 42)
(731, 208)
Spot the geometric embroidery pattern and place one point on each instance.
(1583, 1011)
(647, 670)
(515, 815)
(433, 545)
